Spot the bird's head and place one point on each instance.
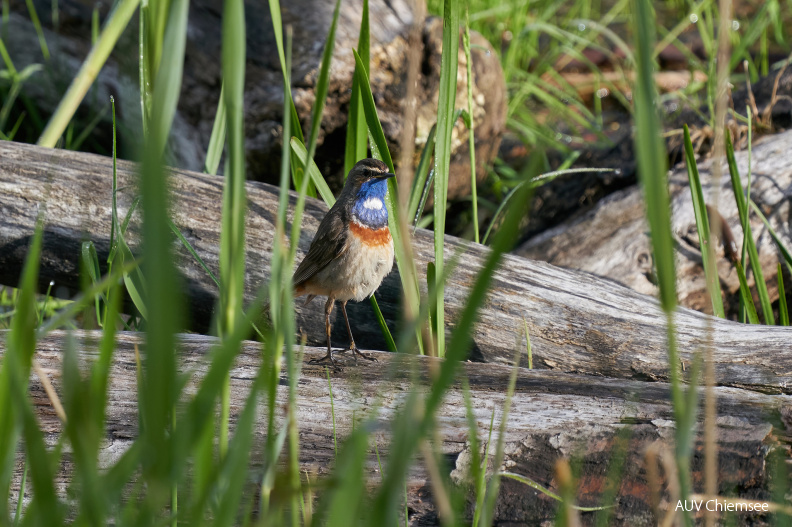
(366, 186)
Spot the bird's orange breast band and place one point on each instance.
(370, 237)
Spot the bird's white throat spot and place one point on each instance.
(373, 204)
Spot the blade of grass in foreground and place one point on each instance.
(703, 228)
(160, 385)
(652, 161)
(445, 126)
(15, 366)
(232, 235)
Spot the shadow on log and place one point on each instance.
(577, 322)
(589, 420)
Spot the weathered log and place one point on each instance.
(577, 322)
(612, 239)
(553, 415)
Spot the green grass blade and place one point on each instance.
(547, 492)
(15, 366)
(652, 157)
(702, 225)
(318, 180)
(39, 31)
(445, 126)
(778, 241)
(218, 137)
(421, 175)
(67, 107)
(494, 484)
(379, 143)
(232, 235)
(783, 310)
(168, 80)
(652, 163)
(345, 498)
(160, 387)
(356, 147)
(471, 138)
(745, 294)
(187, 245)
(753, 254)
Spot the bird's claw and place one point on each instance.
(327, 358)
(357, 353)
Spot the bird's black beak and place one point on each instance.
(386, 175)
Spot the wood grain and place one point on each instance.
(577, 322)
(554, 415)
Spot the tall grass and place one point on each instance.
(183, 469)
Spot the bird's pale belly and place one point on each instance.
(359, 272)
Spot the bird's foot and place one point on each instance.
(327, 358)
(357, 353)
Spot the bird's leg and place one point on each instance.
(329, 356)
(355, 351)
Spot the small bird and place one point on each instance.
(352, 251)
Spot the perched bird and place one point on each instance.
(353, 250)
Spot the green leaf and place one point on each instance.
(420, 180)
(702, 226)
(745, 294)
(313, 172)
(443, 147)
(783, 310)
(753, 254)
(356, 147)
(217, 140)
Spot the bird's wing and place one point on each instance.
(329, 243)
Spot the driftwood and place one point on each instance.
(612, 239)
(577, 322)
(554, 415)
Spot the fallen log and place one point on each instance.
(612, 239)
(577, 322)
(554, 415)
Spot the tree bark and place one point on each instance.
(577, 322)
(553, 416)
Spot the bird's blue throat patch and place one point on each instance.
(369, 208)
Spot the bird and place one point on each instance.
(352, 251)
